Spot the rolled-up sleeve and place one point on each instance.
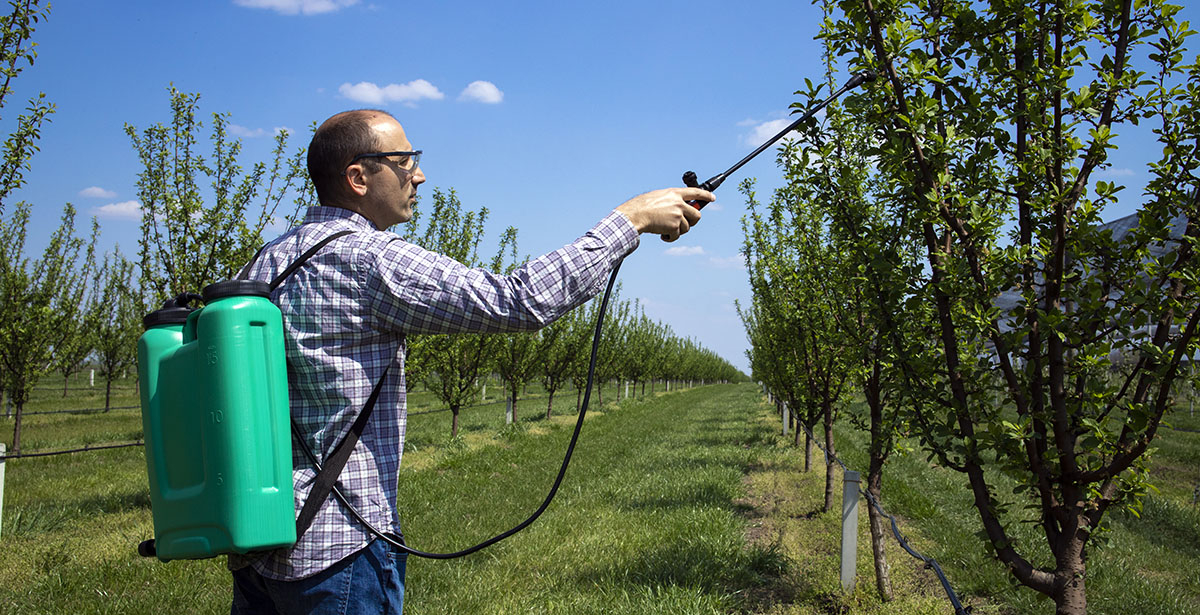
(413, 291)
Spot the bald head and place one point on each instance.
(336, 141)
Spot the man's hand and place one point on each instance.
(665, 212)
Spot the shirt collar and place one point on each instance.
(325, 213)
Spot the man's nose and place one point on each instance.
(418, 178)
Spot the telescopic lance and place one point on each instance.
(689, 178)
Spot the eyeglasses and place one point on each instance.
(407, 163)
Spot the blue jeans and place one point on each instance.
(370, 581)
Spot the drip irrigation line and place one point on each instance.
(69, 451)
(80, 410)
(930, 563)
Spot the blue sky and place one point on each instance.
(548, 113)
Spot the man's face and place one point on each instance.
(393, 189)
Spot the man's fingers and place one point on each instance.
(696, 194)
(683, 227)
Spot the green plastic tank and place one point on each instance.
(215, 417)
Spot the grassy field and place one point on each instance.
(682, 503)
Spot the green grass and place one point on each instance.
(681, 503)
(644, 523)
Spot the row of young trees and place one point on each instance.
(633, 347)
(939, 251)
(203, 216)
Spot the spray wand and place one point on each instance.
(710, 184)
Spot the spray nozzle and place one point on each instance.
(866, 76)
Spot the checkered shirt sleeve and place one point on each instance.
(346, 314)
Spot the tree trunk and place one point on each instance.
(16, 447)
(578, 400)
(798, 429)
(878, 449)
(454, 421)
(830, 464)
(883, 580)
(643, 388)
(107, 393)
(66, 380)
(549, 404)
(514, 403)
(1069, 595)
(808, 442)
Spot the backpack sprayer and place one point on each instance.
(216, 419)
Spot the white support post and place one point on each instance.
(483, 395)
(626, 389)
(3, 462)
(92, 379)
(787, 418)
(850, 482)
(508, 418)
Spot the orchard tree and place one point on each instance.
(33, 295)
(75, 340)
(116, 309)
(29, 291)
(643, 345)
(797, 267)
(516, 353)
(203, 216)
(877, 259)
(559, 347)
(993, 124)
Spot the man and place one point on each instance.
(346, 313)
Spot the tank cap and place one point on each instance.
(236, 288)
(173, 312)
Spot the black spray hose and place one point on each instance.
(398, 541)
(689, 179)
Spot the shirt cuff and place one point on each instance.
(625, 238)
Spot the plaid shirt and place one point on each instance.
(346, 314)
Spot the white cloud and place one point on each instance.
(408, 93)
(276, 225)
(247, 133)
(482, 91)
(762, 131)
(96, 192)
(685, 251)
(1116, 172)
(737, 261)
(126, 210)
(294, 7)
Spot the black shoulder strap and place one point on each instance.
(299, 262)
(328, 474)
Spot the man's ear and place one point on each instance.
(356, 179)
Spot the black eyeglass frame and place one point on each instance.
(415, 155)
